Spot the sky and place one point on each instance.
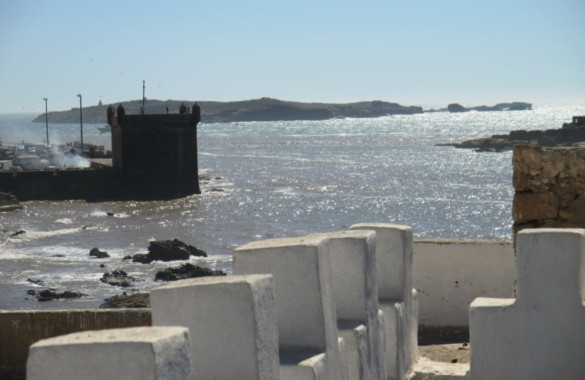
(413, 52)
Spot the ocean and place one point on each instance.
(265, 180)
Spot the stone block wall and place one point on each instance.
(549, 186)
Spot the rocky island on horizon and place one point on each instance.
(264, 109)
(571, 134)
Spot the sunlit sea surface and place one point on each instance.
(268, 180)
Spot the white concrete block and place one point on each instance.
(232, 321)
(541, 333)
(393, 259)
(396, 296)
(138, 353)
(356, 351)
(353, 268)
(306, 312)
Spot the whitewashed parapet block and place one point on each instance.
(138, 353)
(541, 333)
(353, 268)
(396, 296)
(304, 302)
(232, 322)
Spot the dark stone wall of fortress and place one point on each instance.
(93, 185)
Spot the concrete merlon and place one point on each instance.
(352, 255)
(550, 265)
(546, 317)
(393, 259)
(157, 353)
(229, 317)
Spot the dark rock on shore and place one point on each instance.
(168, 250)
(99, 254)
(142, 258)
(51, 295)
(36, 282)
(118, 278)
(137, 300)
(569, 135)
(186, 271)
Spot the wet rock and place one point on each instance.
(142, 258)
(168, 250)
(36, 282)
(99, 254)
(126, 258)
(118, 278)
(137, 300)
(59, 255)
(19, 232)
(186, 271)
(51, 295)
(110, 214)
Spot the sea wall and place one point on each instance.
(20, 329)
(549, 186)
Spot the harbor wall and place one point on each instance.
(21, 328)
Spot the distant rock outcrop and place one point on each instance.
(456, 107)
(264, 109)
(569, 135)
(514, 106)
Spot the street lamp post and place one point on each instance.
(47, 121)
(81, 121)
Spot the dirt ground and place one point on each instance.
(446, 353)
(448, 344)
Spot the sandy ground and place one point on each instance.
(446, 353)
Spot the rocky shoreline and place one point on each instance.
(158, 250)
(571, 134)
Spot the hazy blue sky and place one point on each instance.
(414, 52)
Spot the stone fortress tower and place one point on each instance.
(156, 154)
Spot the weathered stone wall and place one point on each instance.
(550, 187)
